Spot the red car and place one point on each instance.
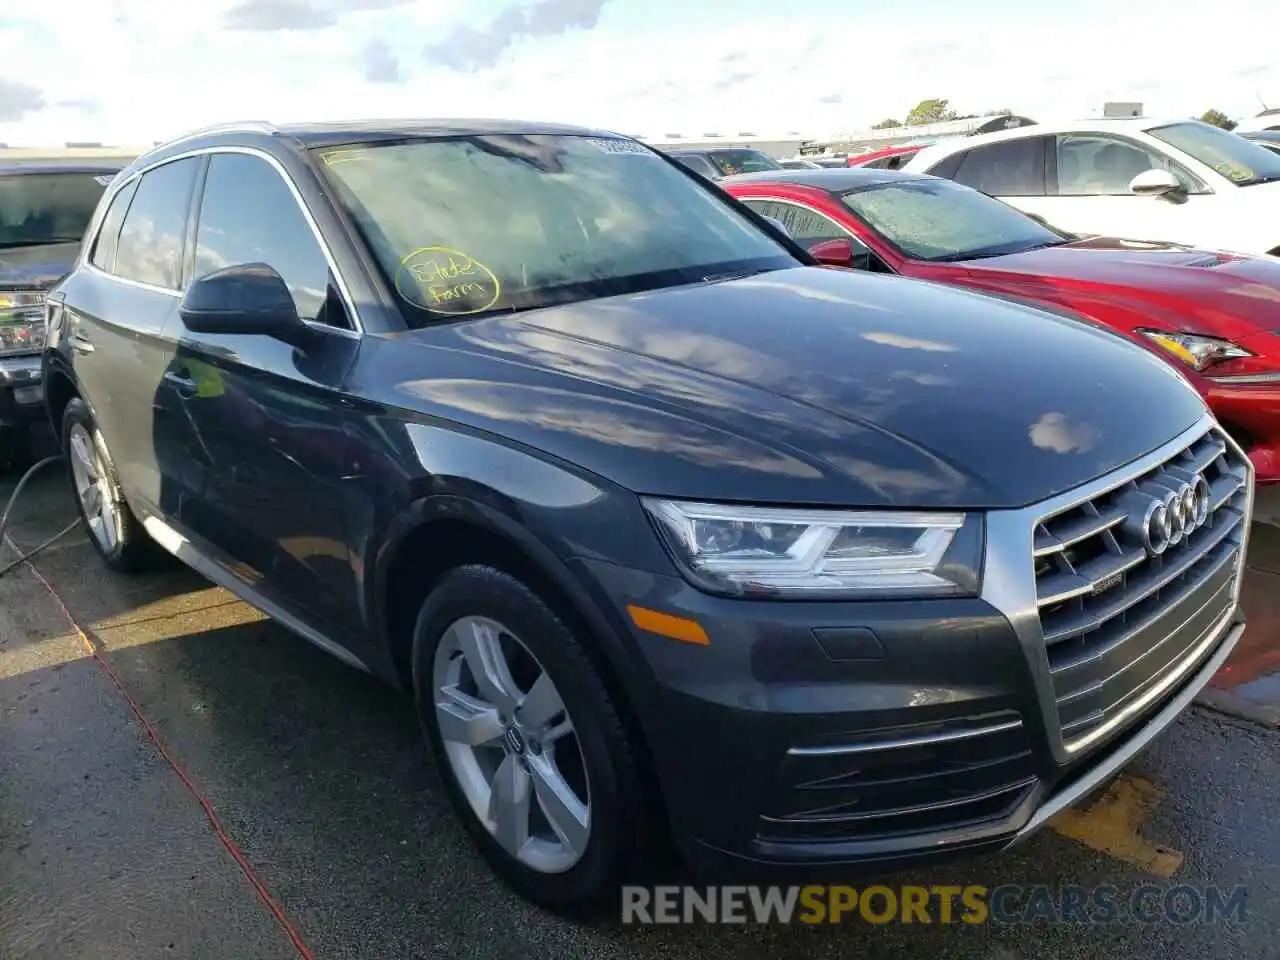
(1215, 316)
(887, 158)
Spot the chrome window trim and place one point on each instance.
(1009, 585)
(344, 291)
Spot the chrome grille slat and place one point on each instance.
(1159, 645)
(1063, 665)
(1081, 529)
(1143, 589)
(1118, 618)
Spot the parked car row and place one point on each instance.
(44, 209)
(1182, 181)
(678, 538)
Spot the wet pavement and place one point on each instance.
(203, 784)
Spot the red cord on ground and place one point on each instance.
(95, 651)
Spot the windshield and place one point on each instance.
(1239, 160)
(489, 224)
(742, 161)
(38, 208)
(942, 220)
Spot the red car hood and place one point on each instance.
(1220, 290)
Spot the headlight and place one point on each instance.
(764, 551)
(22, 326)
(1196, 351)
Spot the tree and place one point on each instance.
(1218, 119)
(888, 123)
(930, 111)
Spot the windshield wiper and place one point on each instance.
(1271, 178)
(734, 275)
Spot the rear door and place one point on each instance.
(268, 423)
(117, 319)
(1011, 170)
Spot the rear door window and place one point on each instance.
(806, 226)
(103, 255)
(1011, 168)
(154, 232)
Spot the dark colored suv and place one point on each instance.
(669, 531)
(44, 209)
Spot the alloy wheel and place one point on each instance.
(93, 488)
(511, 745)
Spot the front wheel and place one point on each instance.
(528, 743)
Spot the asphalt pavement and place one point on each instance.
(187, 780)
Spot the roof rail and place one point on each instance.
(234, 126)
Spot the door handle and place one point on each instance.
(80, 343)
(185, 386)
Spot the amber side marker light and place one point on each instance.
(666, 625)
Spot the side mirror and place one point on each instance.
(840, 253)
(1154, 183)
(250, 298)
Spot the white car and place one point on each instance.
(1182, 181)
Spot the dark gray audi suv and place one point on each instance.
(671, 533)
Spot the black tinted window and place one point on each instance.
(151, 240)
(104, 247)
(1014, 168)
(249, 215)
(38, 208)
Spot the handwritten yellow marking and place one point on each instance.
(446, 280)
(1113, 826)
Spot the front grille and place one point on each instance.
(919, 778)
(1118, 622)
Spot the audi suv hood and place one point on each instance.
(800, 386)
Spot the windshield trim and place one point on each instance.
(791, 254)
(978, 253)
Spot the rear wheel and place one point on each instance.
(528, 743)
(113, 529)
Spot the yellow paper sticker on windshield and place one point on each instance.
(445, 280)
(332, 157)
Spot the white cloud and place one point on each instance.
(132, 71)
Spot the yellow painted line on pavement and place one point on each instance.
(1114, 824)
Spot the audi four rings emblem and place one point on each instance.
(1173, 514)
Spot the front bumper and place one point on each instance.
(813, 740)
(1251, 414)
(21, 391)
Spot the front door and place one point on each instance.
(266, 419)
(1089, 191)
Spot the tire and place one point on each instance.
(116, 534)
(622, 840)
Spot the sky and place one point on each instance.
(129, 72)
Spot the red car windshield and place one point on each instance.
(941, 220)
